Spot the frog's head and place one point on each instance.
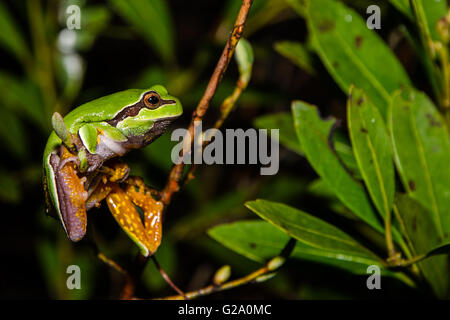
(150, 115)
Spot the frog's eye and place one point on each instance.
(152, 100)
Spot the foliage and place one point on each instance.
(367, 188)
(389, 121)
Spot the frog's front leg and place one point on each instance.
(146, 232)
(101, 142)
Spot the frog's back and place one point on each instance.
(101, 109)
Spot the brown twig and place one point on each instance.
(134, 275)
(176, 173)
(112, 264)
(167, 278)
(262, 274)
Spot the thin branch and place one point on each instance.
(262, 274)
(176, 173)
(112, 264)
(167, 278)
(251, 278)
(175, 176)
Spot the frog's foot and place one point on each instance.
(71, 194)
(152, 210)
(115, 171)
(142, 187)
(122, 203)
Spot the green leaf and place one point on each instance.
(244, 58)
(403, 6)
(422, 154)
(153, 20)
(313, 134)
(344, 150)
(427, 13)
(309, 229)
(443, 248)
(299, 6)
(372, 149)
(284, 122)
(10, 36)
(287, 135)
(354, 54)
(260, 241)
(320, 189)
(297, 54)
(424, 237)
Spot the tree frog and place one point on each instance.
(79, 169)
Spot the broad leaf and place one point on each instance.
(320, 189)
(427, 13)
(284, 122)
(313, 133)
(422, 154)
(297, 54)
(403, 6)
(244, 58)
(309, 229)
(153, 20)
(354, 54)
(260, 241)
(424, 237)
(372, 149)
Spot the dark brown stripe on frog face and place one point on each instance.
(134, 109)
(130, 111)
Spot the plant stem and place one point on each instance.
(225, 286)
(167, 278)
(176, 173)
(262, 274)
(175, 176)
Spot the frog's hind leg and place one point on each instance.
(71, 194)
(146, 232)
(141, 196)
(127, 216)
